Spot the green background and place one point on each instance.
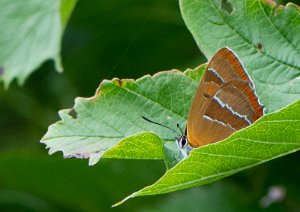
(106, 39)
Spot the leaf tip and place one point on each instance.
(122, 201)
(94, 158)
(58, 64)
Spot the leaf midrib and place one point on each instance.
(81, 136)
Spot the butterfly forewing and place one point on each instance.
(227, 66)
(225, 101)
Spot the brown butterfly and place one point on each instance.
(225, 102)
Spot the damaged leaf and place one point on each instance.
(94, 126)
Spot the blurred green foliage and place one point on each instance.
(106, 39)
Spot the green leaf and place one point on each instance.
(96, 125)
(37, 28)
(272, 136)
(141, 146)
(265, 37)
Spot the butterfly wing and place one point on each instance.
(225, 101)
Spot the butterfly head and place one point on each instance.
(181, 141)
(183, 145)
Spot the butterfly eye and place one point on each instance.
(183, 142)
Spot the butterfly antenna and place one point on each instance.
(154, 122)
(180, 129)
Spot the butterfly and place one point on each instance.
(224, 103)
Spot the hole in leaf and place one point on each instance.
(73, 113)
(226, 6)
